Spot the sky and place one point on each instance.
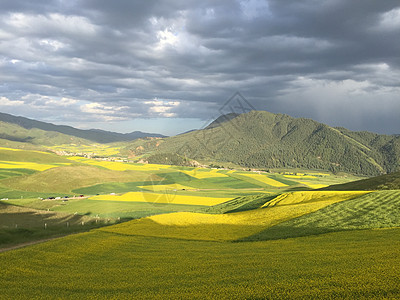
(173, 65)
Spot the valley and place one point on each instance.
(192, 225)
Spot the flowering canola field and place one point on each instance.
(313, 185)
(165, 198)
(166, 187)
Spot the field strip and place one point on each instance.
(313, 185)
(166, 187)
(165, 198)
(265, 179)
(13, 149)
(299, 176)
(120, 166)
(201, 174)
(26, 165)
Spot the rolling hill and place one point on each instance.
(260, 139)
(20, 129)
(383, 182)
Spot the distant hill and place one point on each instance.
(33, 131)
(260, 139)
(383, 182)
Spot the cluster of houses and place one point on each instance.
(65, 198)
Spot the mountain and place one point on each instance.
(383, 182)
(264, 140)
(12, 128)
(222, 119)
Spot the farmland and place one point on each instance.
(104, 265)
(178, 232)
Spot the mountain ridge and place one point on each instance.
(95, 135)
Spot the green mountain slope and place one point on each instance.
(260, 139)
(34, 132)
(14, 135)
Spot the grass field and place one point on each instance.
(66, 179)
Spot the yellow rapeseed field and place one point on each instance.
(27, 165)
(13, 149)
(167, 197)
(313, 196)
(166, 187)
(313, 185)
(265, 179)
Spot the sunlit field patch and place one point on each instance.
(165, 198)
(264, 179)
(313, 185)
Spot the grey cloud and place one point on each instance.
(125, 53)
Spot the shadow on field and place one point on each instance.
(12, 216)
(278, 232)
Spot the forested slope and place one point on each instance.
(260, 139)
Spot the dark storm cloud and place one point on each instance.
(116, 60)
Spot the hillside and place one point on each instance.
(22, 129)
(383, 182)
(260, 139)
